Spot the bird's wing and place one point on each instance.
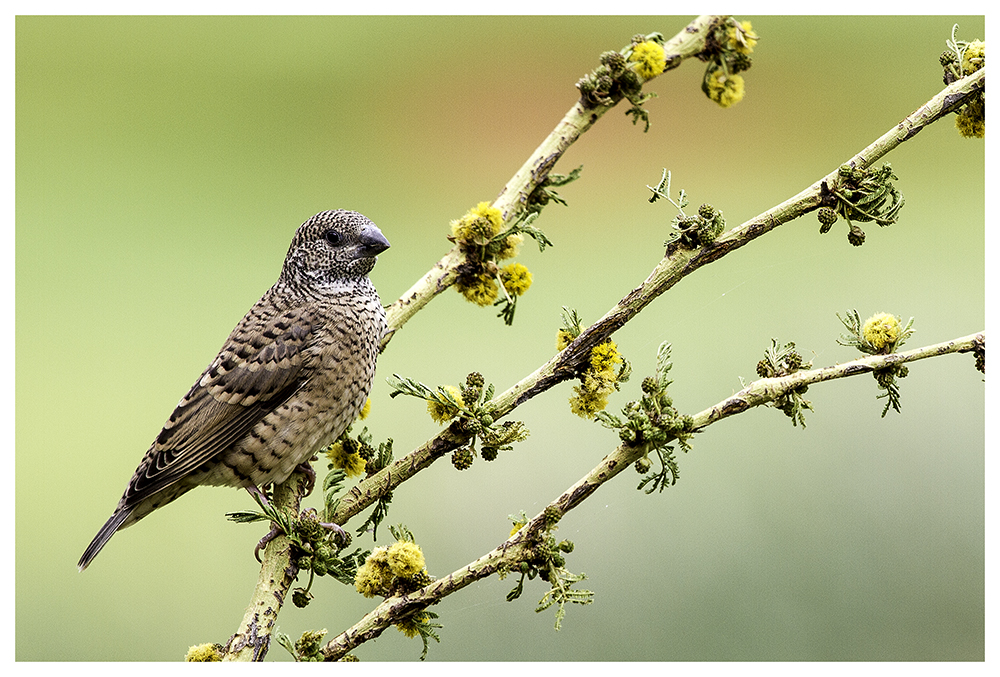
(259, 367)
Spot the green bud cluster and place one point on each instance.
(621, 74)
(780, 361)
(979, 349)
(545, 558)
(783, 360)
(609, 82)
(860, 194)
(472, 406)
(462, 458)
(653, 421)
(701, 229)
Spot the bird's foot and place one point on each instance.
(261, 498)
(270, 536)
(257, 494)
(306, 468)
(345, 538)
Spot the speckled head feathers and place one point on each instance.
(334, 245)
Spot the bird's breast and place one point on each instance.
(337, 377)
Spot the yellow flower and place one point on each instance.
(480, 289)
(742, 39)
(590, 398)
(650, 59)
(974, 57)
(971, 121)
(203, 653)
(351, 463)
(518, 525)
(516, 278)
(374, 576)
(406, 559)
(563, 339)
(308, 645)
(479, 224)
(444, 412)
(510, 247)
(599, 381)
(881, 330)
(724, 89)
(604, 357)
(409, 626)
(365, 410)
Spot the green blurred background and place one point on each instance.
(163, 164)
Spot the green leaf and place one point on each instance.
(286, 643)
(333, 479)
(246, 516)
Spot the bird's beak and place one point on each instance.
(373, 241)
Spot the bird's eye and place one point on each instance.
(333, 237)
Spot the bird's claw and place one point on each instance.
(268, 537)
(259, 495)
(306, 468)
(345, 539)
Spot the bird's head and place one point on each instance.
(334, 246)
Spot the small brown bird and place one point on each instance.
(293, 374)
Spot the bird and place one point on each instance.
(292, 376)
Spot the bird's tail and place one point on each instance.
(103, 536)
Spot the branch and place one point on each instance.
(767, 390)
(675, 266)
(518, 547)
(514, 196)
(277, 573)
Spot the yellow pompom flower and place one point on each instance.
(444, 412)
(591, 397)
(971, 122)
(516, 278)
(374, 576)
(974, 57)
(351, 463)
(406, 559)
(650, 59)
(480, 224)
(724, 89)
(365, 410)
(410, 626)
(881, 330)
(518, 525)
(480, 289)
(742, 39)
(204, 653)
(563, 339)
(599, 381)
(509, 247)
(604, 358)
